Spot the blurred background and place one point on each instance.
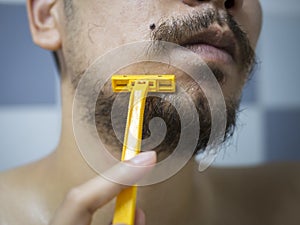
(268, 125)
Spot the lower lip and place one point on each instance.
(209, 53)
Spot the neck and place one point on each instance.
(179, 200)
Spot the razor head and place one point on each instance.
(156, 83)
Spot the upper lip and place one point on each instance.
(214, 36)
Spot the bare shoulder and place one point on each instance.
(10, 192)
(283, 174)
(18, 197)
(268, 194)
(269, 182)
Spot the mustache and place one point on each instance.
(176, 29)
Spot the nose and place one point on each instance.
(232, 5)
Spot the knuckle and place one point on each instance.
(74, 196)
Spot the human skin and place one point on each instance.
(63, 189)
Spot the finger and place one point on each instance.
(140, 218)
(82, 201)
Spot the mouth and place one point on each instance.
(213, 45)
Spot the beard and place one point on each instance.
(165, 136)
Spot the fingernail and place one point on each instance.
(144, 158)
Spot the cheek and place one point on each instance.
(233, 84)
(98, 28)
(113, 25)
(250, 18)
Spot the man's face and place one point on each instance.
(92, 29)
(222, 33)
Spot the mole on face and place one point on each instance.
(152, 26)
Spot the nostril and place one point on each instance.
(229, 4)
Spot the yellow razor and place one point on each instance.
(138, 86)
